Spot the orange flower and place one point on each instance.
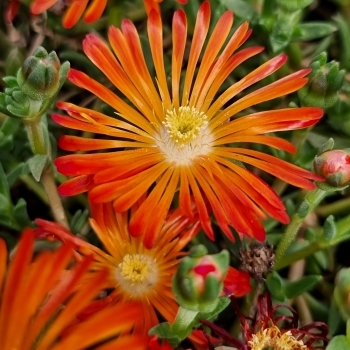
(136, 274)
(77, 8)
(31, 298)
(178, 140)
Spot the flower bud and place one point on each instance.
(198, 282)
(325, 80)
(334, 166)
(342, 292)
(40, 75)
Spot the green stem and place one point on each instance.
(348, 330)
(36, 137)
(48, 181)
(311, 200)
(37, 143)
(342, 228)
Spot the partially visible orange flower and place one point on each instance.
(183, 140)
(78, 8)
(135, 274)
(32, 295)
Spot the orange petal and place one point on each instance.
(95, 10)
(199, 35)
(74, 12)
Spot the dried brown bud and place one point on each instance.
(258, 260)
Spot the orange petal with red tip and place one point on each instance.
(215, 43)
(179, 31)
(270, 121)
(39, 6)
(199, 35)
(14, 281)
(256, 75)
(277, 89)
(77, 185)
(155, 35)
(84, 81)
(74, 12)
(151, 5)
(95, 10)
(3, 263)
(157, 218)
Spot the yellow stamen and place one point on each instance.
(273, 338)
(137, 274)
(134, 268)
(185, 124)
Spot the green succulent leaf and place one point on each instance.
(304, 284)
(313, 30)
(37, 165)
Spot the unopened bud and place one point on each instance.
(40, 74)
(325, 80)
(334, 166)
(198, 282)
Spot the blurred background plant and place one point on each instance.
(311, 250)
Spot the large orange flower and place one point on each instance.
(31, 298)
(183, 139)
(137, 274)
(93, 12)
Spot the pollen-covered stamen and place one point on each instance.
(136, 274)
(273, 338)
(184, 124)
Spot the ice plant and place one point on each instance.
(79, 8)
(136, 274)
(178, 140)
(274, 330)
(39, 299)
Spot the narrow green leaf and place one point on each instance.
(275, 285)
(306, 283)
(4, 187)
(312, 30)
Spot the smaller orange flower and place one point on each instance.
(135, 273)
(31, 298)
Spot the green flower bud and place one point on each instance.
(342, 292)
(198, 282)
(334, 166)
(325, 80)
(39, 77)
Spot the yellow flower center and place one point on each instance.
(137, 274)
(185, 124)
(272, 338)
